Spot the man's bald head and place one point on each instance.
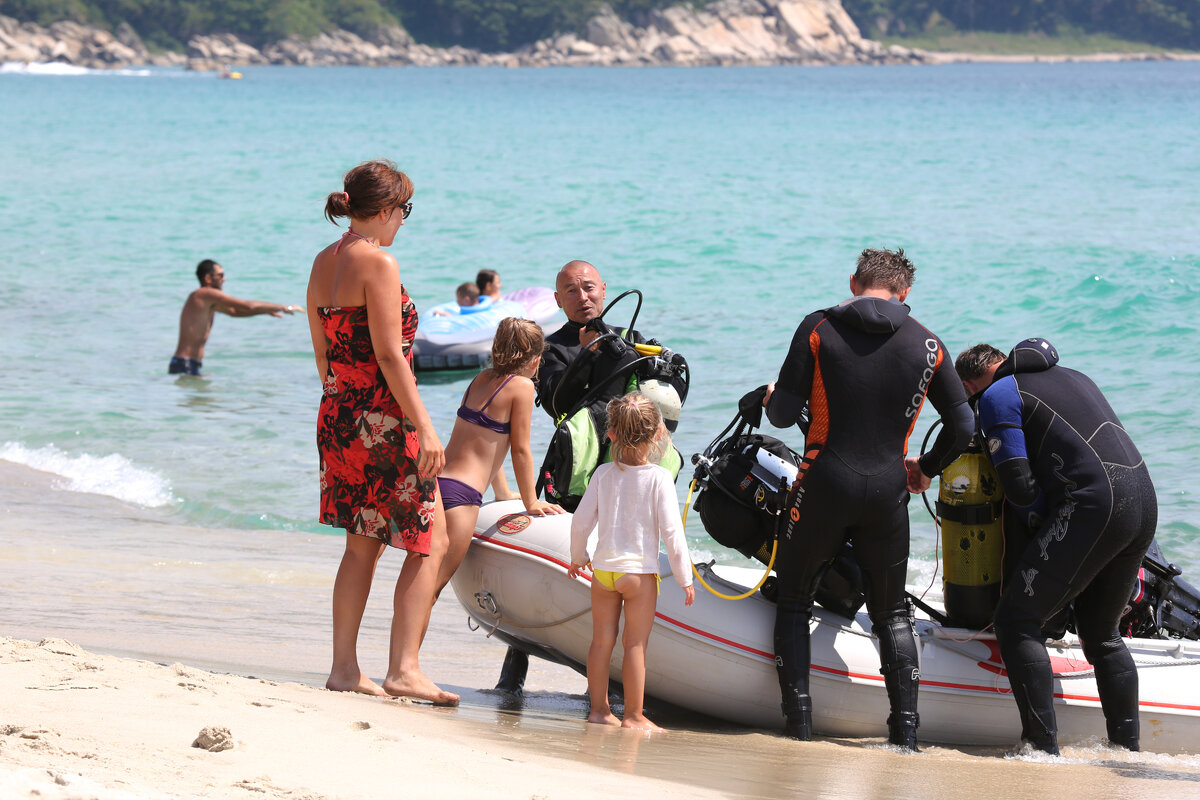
(580, 291)
(575, 267)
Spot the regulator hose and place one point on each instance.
(774, 548)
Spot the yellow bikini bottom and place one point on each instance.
(609, 579)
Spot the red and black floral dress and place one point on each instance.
(369, 479)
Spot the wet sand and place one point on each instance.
(155, 631)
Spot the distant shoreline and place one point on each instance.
(947, 57)
(931, 58)
(796, 32)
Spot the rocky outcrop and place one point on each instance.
(72, 43)
(726, 32)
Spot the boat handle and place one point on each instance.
(486, 602)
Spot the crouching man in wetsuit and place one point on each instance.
(1074, 478)
(864, 369)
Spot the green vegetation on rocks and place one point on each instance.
(1165, 23)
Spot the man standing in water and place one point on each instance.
(1081, 495)
(196, 319)
(863, 369)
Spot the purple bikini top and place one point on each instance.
(479, 417)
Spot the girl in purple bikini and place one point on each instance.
(494, 417)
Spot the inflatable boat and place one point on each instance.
(716, 656)
(462, 338)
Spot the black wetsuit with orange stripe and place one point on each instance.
(864, 369)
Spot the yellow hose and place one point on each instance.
(647, 349)
(774, 548)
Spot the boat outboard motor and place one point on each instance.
(744, 478)
(1163, 605)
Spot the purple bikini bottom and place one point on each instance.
(456, 493)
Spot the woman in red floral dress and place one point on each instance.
(380, 455)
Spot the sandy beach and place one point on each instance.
(82, 725)
(127, 636)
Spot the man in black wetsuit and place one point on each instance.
(580, 293)
(1080, 490)
(863, 369)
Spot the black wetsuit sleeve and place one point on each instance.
(1001, 419)
(596, 367)
(555, 360)
(958, 421)
(1020, 487)
(794, 385)
(608, 370)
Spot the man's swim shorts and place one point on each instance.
(184, 366)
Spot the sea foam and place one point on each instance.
(43, 68)
(112, 475)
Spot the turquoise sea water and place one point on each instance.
(1036, 199)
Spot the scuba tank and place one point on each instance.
(969, 504)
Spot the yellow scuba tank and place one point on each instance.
(969, 503)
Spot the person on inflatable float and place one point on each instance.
(863, 369)
(1082, 495)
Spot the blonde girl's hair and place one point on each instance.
(516, 343)
(635, 421)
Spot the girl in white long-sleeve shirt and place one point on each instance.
(632, 503)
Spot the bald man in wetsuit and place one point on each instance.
(581, 293)
(196, 319)
(1080, 491)
(863, 369)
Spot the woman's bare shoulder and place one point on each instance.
(378, 259)
(324, 257)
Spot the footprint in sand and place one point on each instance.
(264, 786)
(33, 738)
(61, 647)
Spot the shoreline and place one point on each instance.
(82, 725)
(938, 57)
(252, 606)
(931, 58)
(728, 33)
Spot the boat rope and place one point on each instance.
(1179, 662)
(487, 604)
(699, 577)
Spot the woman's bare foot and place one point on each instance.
(363, 685)
(417, 686)
(639, 723)
(603, 718)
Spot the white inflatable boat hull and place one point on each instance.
(716, 657)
